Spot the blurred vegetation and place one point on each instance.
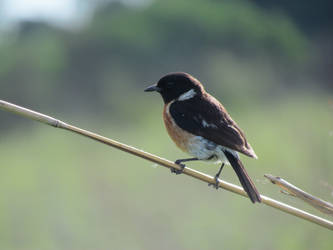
(269, 63)
(115, 50)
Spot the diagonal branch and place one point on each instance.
(292, 190)
(163, 162)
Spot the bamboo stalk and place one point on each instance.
(163, 162)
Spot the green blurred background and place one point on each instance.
(269, 62)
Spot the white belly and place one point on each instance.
(204, 149)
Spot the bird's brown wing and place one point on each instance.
(206, 117)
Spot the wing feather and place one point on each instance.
(206, 117)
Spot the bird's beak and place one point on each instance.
(152, 88)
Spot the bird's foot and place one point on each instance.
(216, 184)
(178, 171)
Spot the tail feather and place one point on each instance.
(243, 177)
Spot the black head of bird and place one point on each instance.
(177, 85)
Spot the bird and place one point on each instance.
(200, 126)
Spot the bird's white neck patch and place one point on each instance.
(187, 95)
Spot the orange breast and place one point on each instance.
(178, 135)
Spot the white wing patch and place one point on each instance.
(198, 118)
(187, 95)
(208, 125)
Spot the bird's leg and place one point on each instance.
(216, 185)
(179, 162)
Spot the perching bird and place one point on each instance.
(201, 126)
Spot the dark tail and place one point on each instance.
(243, 177)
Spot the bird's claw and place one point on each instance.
(216, 184)
(178, 171)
